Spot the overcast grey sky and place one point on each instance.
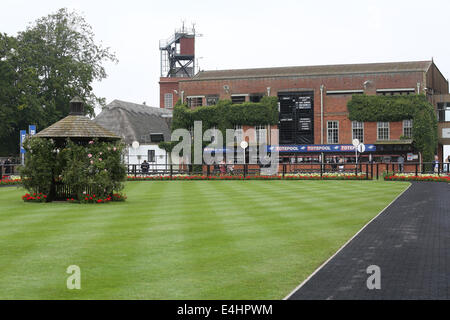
(247, 34)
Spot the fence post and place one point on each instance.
(367, 171)
(377, 170)
(321, 169)
(371, 170)
(207, 170)
(416, 169)
(284, 169)
(171, 171)
(245, 170)
(134, 170)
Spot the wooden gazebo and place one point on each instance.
(79, 129)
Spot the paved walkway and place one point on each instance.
(409, 241)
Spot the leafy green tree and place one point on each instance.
(43, 68)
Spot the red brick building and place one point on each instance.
(313, 101)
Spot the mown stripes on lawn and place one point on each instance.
(183, 239)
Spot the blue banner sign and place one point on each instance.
(305, 148)
(32, 129)
(217, 150)
(23, 135)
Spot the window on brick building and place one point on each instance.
(383, 130)
(396, 92)
(194, 101)
(212, 100)
(407, 128)
(332, 132)
(358, 131)
(168, 100)
(238, 99)
(443, 111)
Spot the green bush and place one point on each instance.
(95, 166)
(224, 115)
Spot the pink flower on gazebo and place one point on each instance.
(89, 155)
(91, 142)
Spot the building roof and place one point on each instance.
(135, 122)
(388, 67)
(76, 126)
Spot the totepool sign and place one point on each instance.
(319, 148)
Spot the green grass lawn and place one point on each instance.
(183, 239)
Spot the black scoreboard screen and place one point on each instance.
(296, 117)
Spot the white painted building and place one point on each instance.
(141, 128)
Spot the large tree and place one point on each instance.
(42, 68)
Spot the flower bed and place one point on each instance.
(314, 176)
(420, 177)
(35, 197)
(92, 198)
(9, 180)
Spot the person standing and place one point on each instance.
(223, 167)
(436, 164)
(7, 165)
(334, 164)
(341, 164)
(144, 166)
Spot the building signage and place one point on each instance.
(219, 150)
(304, 124)
(319, 148)
(23, 135)
(32, 129)
(445, 132)
(303, 102)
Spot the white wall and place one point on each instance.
(137, 156)
(446, 151)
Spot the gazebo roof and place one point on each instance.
(76, 126)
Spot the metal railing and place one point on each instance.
(9, 169)
(371, 170)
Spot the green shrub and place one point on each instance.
(95, 166)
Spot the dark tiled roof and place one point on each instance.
(388, 67)
(135, 122)
(75, 126)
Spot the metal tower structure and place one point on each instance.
(178, 54)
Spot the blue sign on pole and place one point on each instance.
(23, 135)
(32, 129)
(305, 148)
